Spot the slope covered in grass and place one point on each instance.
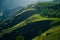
(42, 16)
(48, 10)
(51, 34)
(32, 19)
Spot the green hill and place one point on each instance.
(42, 16)
(51, 34)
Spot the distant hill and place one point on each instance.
(1, 15)
(56, 0)
(10, 13)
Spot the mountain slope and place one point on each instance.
(42, 16)
(51, 34)
(44, 9)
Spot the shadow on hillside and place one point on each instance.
(34, 29)
(30, 31)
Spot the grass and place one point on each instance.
(34, 18)
(54, 33)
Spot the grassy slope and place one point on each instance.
(31, 19)
(53, 34)
(34, 18)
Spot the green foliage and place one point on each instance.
(50, 10)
